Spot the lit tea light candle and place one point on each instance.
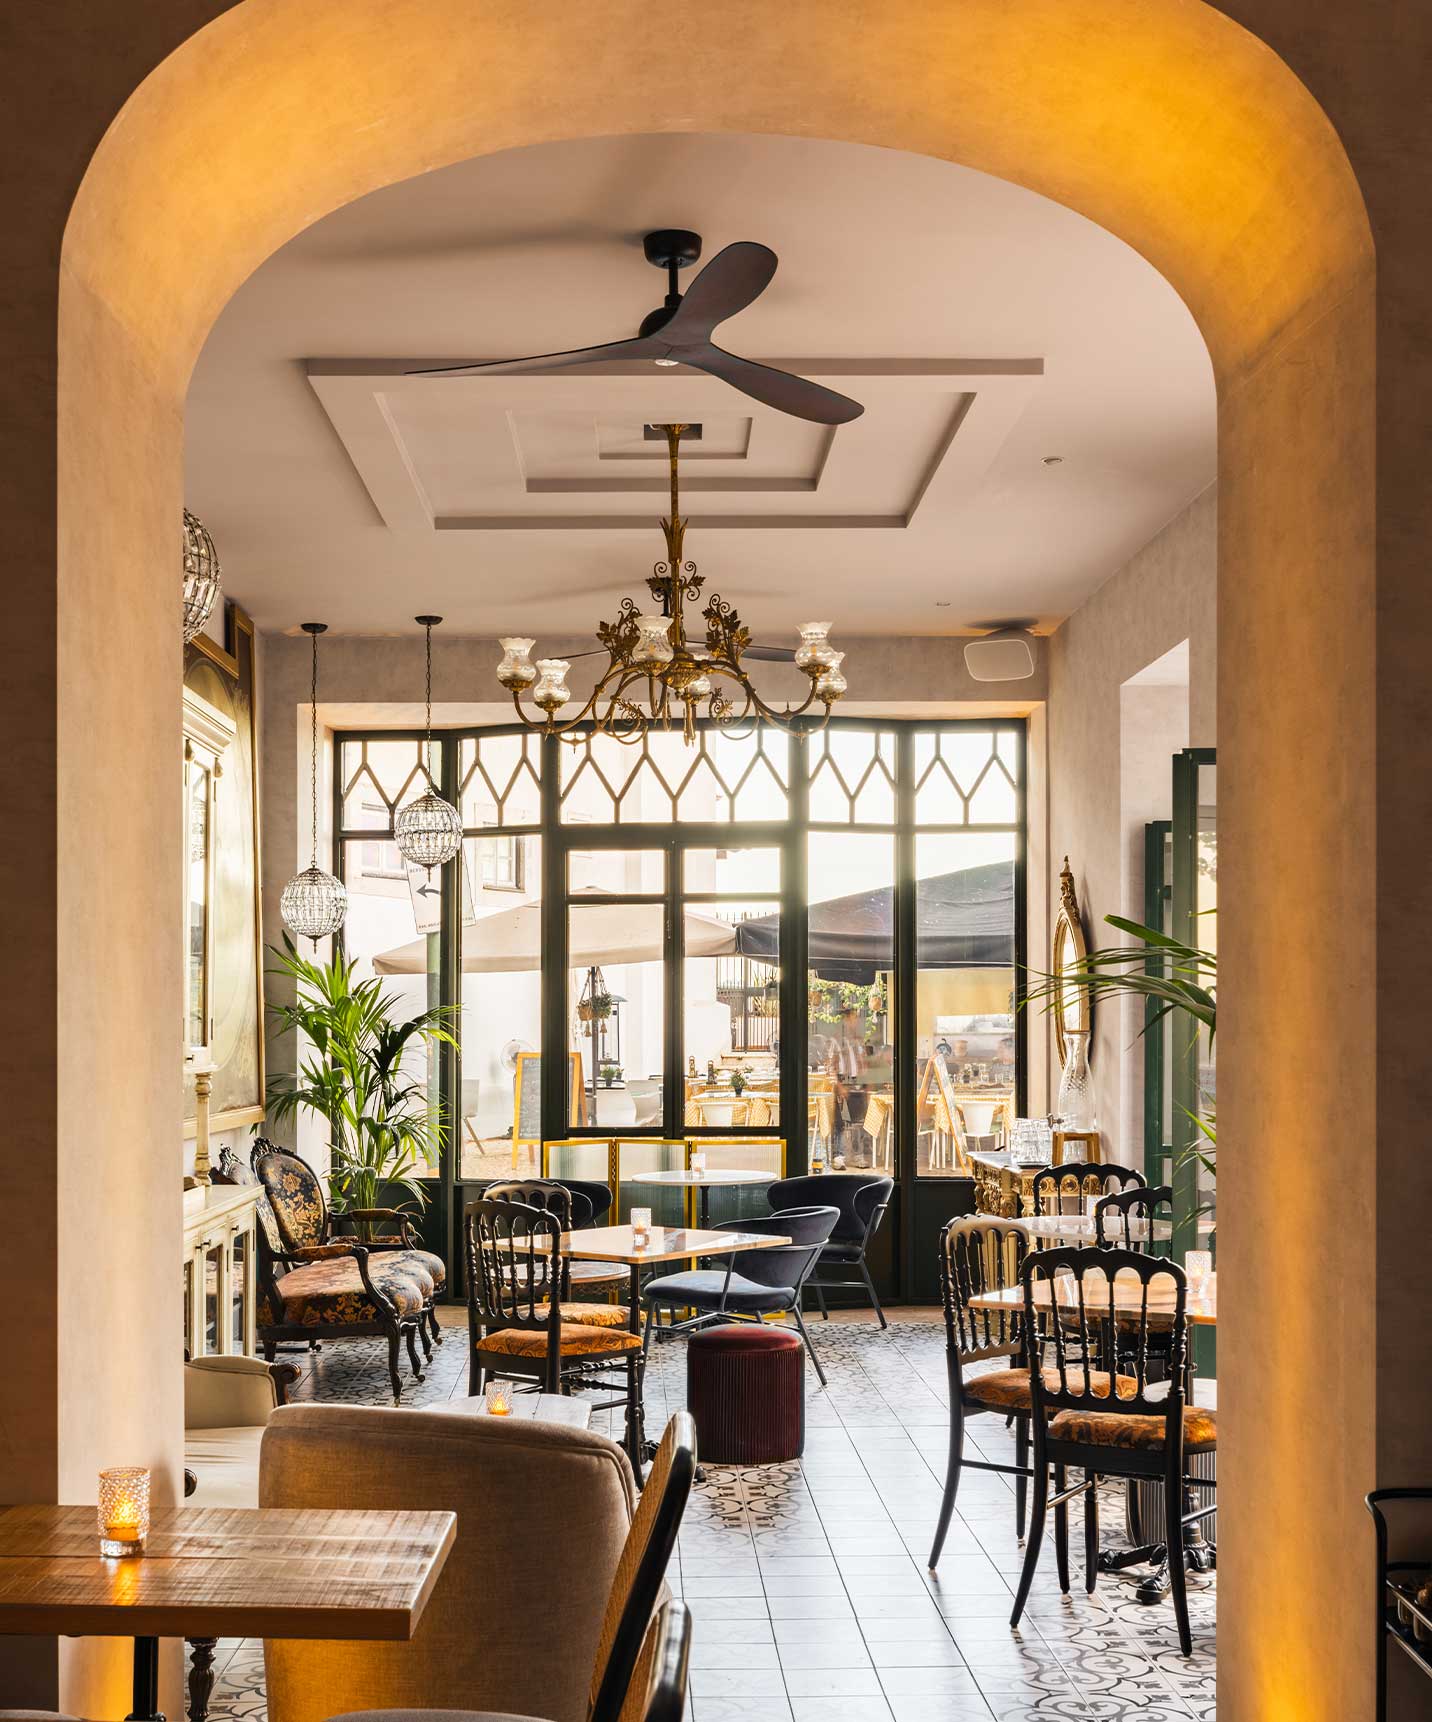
(640, 1228)
(123, 1513)
(499, 1399)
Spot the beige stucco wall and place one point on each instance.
(1184, 134)
(1167, 593)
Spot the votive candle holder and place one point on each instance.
(499, 1398)
(123, 1513)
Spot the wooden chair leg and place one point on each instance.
(1173, 1542)
(394, 1342)
(433, 1323)
(1091, 1531)
(411, 1334)
(1036, 1533)
(201, 1677)
(1021, 1484)
(1061, 1531)
(953, 1466)
(424, 1336)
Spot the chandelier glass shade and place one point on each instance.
(656, 673)
(313, 904)
(428, 831)
(201, 576)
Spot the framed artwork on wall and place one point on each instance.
(223, 928)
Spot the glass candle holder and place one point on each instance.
(1197, 1266)
(499, 1398)
(640, 1227)
(123, 1514)
(698, 1160)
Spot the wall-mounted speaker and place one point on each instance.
(1005, 656)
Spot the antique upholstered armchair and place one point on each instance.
(315, 1282)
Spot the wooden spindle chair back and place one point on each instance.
(981, 1254)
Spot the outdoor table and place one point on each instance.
(220, 1572)
(702, 1183)
(1201, 1309)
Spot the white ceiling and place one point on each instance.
(984, 328)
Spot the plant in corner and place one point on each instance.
(1175, 976)
(383, 1128)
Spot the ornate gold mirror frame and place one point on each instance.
(1072, 1009)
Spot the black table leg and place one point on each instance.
(640, 1444)
(146, 1682)
(703, 1200)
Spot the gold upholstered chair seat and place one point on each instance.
(1008, 1389)
(590, 1314)
(1130, 1433)
(574, 1339)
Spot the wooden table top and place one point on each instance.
(1128, 1294)
(694, 1180)
(566, 1408)
(613, 1244)
(223, 1572)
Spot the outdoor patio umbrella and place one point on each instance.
(599, 933)
(964, 920)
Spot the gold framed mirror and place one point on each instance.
(1072, 1008)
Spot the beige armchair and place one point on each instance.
(514, 1622)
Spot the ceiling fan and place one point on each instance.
(678, 332)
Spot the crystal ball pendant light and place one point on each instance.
(313, 903)
(428, 831)
(201, 576)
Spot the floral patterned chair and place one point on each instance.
(317, 1282)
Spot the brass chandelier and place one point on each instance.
(657, 675)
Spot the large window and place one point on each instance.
(816, 938)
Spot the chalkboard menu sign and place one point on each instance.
(527, 1096)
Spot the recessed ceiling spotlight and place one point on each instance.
(942, 603)
(667, 363)
(1049, 459)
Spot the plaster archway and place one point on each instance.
(1163, 121)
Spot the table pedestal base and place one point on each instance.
(146, 1682)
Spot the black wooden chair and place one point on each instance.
(1133, 1424)
(592, 1275)
(751, 1284)
(670, 1662)
(1127, 1219)
(520, 1328)
(573, 1209)
(977, 1255)
(862, 1202)
(1063, 1189)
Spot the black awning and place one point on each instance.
(965, 921)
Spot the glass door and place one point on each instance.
(1193, 918)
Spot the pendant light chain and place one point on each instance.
(313, 747)
(428, 697)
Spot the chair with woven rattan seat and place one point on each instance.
(305, 1226)
(518, 1325)
(573, 1208)
(635, 1656)
(1133, 1425)
(982, 1254)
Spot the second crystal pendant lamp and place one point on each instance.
(428, 831)
(313, 902)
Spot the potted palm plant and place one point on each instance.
(382, 1126)
(1177, 977)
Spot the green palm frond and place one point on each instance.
(383, 1127)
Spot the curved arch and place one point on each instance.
(1162, 120)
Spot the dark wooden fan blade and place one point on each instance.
(729, 282)
(778, 389)
(612, 352)
(771, 654)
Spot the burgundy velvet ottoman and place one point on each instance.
(745, 1386)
